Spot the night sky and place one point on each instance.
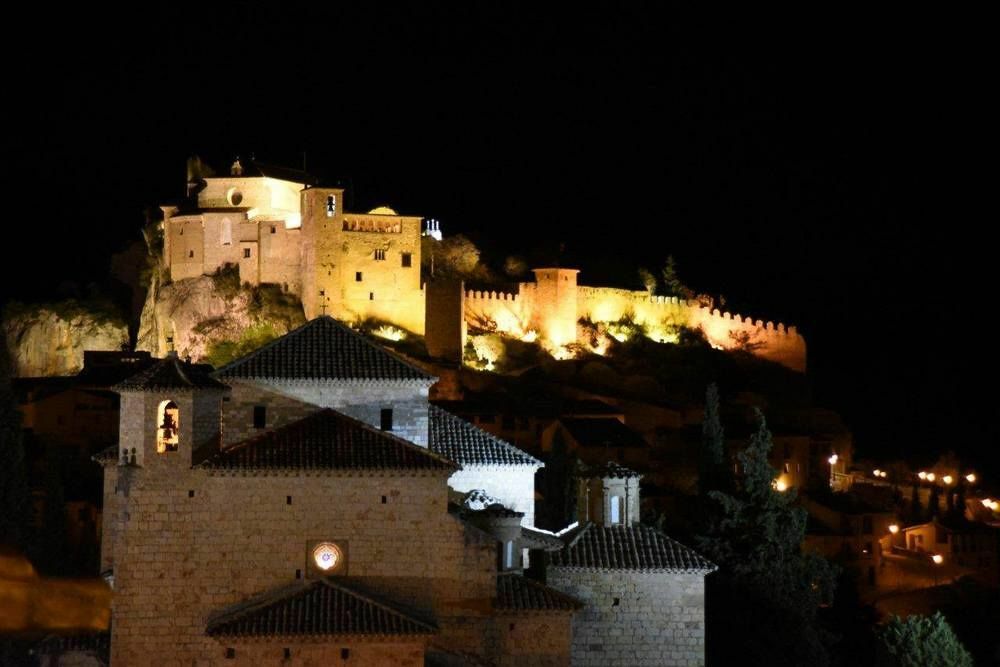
(814, 170)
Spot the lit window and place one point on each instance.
(167, 433)
(331, 206)
(246, 253)
(380, 255)
(616, 509)
(326, 556)
(407, 260)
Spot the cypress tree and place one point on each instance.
(712, 468)
(934, 504)
(920, 641)
(916, 507)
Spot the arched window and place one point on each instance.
(226, 235)
(168, 425)
(331, 206)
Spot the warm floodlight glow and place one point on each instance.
(987, 502)
(922, 475)
(970, 478)
(833, 459)
(947, 479)
(326, 556)
(780, 485)
(937, 558)
(390, 332)
(893, 528)
(530, 336)
(877, 472)
(931, 477)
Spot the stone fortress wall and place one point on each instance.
(355, 266)
(544, 309)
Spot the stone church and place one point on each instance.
(307, 505)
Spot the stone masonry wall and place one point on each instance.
(658, 619)
(320, 654)
(193, 544)
(364, 400)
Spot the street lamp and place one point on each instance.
(893, 528)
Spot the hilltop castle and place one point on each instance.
(280, 227)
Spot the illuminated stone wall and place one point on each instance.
(388, 654)
(548, 308)
(659, 618)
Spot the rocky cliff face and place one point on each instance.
(50, 340)
(211, 319)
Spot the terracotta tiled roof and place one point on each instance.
(321, 349)
(516, 593)
(636, 547)
(460, 441)
(602, 432)
(327, 440)
(325, 607)
(171, 373)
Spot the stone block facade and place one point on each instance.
(635, 618)
(513, 486)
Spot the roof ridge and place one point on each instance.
(258, 602)
(380, 348)
(329, 582)
(393, 436)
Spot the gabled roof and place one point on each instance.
(324, 607)
(327, 440)
(532, 538)
(636, 548)
(170, 373)
(321, 349)
(602, 432)
(516, 593)
(460, 441)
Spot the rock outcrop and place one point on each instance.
(210, 319)
(50, 339)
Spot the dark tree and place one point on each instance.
(52, 553)
(672, 285)
(712, 467)
(765, 598)
(14, 503)
(921, 641)
(934, 503)
(916, 507)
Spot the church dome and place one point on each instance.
(382, 210)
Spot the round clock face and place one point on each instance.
(326, 556)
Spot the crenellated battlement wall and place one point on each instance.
(519, 313)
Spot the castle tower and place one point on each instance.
(610, 496)
(322, 219)
(555, 305)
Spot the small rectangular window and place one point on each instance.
(322, 292)
(274, 229)
(288, 653)
(386, 417)
(191, 494)
(246, 253)
(191, 253)
(345, 653)
(230, 653)
(357, 277)
(616, 509)
(380, 255)
(508, 555)
(407, 260)
(259, 416)
(331, 206)
(371, 296)
(288, 500)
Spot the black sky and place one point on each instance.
(814, 169)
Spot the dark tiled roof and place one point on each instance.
(171, 373)
(536, 539)
(327, 440)
(516, 593)
(460, 441)
(612, 470)
(602, 432)
(325, 607)
(636, 547)
(321, 349)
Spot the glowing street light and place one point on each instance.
(893, 528)
(937, 558)
(922, 475)
(780, 485)
(970, 478)
(931, 477)
(987, 502)
(947, 479)
(833, 459)
(877, 472)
